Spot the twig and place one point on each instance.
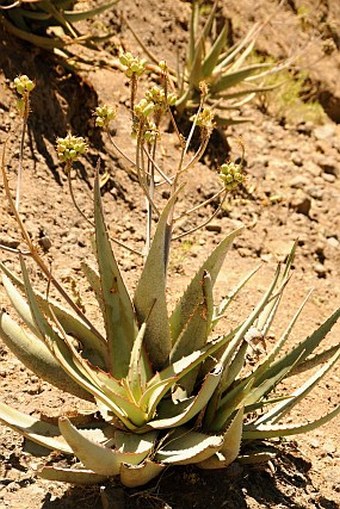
(207, 221)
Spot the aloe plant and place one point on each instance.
(168, 389)
(47, 23)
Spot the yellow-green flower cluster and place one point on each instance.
(144, 108)
(23, 84)
(70, 148)
(204, 119)
(156, 95)
(104, 115)
(134, 66)
(231, 175)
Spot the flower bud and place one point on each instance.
(104, 115)
(70, 148)
(23, 84)
(231, 175)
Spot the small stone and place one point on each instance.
(296, 159)
(299, 182)
(329, 165)
(213, 227)
(301, 203)
(9, 242)
(312, 168)
(333, 242)
(329, 178)
(324, 132)
(320, 270)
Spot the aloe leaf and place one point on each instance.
(229, 352)
(270, 357)
(302, 350)
(196, 332)
(248, 91)
(133, 476)
(231, 79)
(188, 447)
(35, 355)
(164, 380)
(66, 355)
(267, 316)
(233, 401)
(174, 415)
(118, 314)
(192, 295)
(246, 42)
(94, 347)
(96, 457)
(313, 361)
(252, 432)
(138, 369)
(211, 59)
(150, 295)
(71, 475)
(284, 407)
(231, 445)
(40, 432)
(20, 305)
(74, 16)
(93, 279)
(129, 448)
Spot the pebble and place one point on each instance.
(333, 242)
(320, 270)
(299, 182)
(212, 227)
(329, 178)
(301, 203)
(324, 132)
(312, 168)
(329, 165)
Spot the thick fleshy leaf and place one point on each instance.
(212, 57)
(231, 79)
(193, 294)
(35, 355)
(231, 445)
(72, 475)
(302, 351)
(186, 447)
(65, 353)
(196, 331)
(101, 459)
(119, 315)
(252, 432)
(93, 345)
(40, 432)
(284, 407)
(96, 457)
(132, 476)
(177, 415)
(20, 305)
(159, 385)
(150, 295)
